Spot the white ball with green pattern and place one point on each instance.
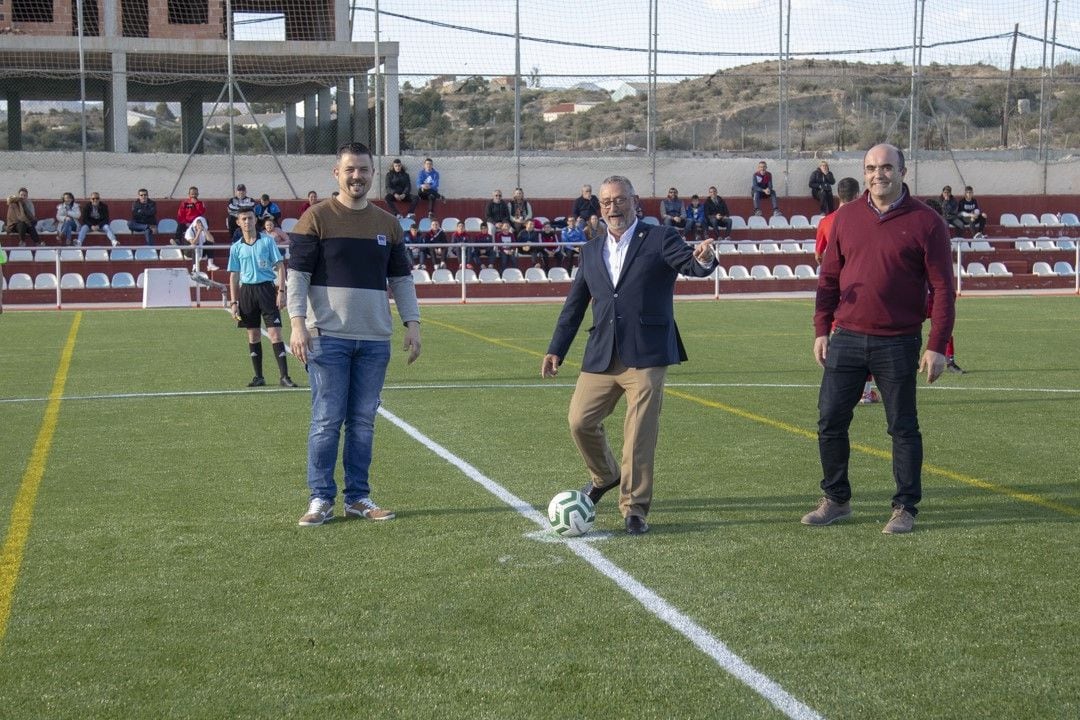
(571, 513)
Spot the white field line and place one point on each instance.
(515, 386)
(764, 686)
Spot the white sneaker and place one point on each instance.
(210, 265)
(319, 511)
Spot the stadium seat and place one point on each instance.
(790, 247)
(977, 269)
(512, 275)
(123, 280)
(757, 222)
(805, 272)
(442, 275)
(120, 226)
(961, 245)
(20, 281)
(287, 224)
(1043, 269)
(558, 274)
(783, 272)
(424, 226)
(748, 248)
(800, 222)
(474, 225)
(1069, 220)
(808, 247)
(721, 273)
(171, 253)
(737, 223)
(420, 276)
(769, 248)
(145, 254)
(998, 269)
(815, 219)
(535, 274)
(1050, 220)
(97, 281)
(20, 255)
(761, 272)
(449, 224)
(96, 254)
(779, 222)
(1029, 220)
(738, 272)
(1066, 244)
(490, 275)
(1008, 220)
(71, 255)
(45, 281)
(1063, 268)
(981, 246)
(166, 227)
(72, 281)
(1045, 244)
(726, 248)
(468, 274)
(1024, 245)
(650, 220)
(121, 253)
(45, 255)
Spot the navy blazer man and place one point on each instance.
(632, 341)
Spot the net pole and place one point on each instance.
(1042, 91)
(380, 114)
(654, 71)
(517, 93)
(82, 91)
(229, 65)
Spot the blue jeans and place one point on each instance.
(894, 363)
(147, 230)
(346, 379)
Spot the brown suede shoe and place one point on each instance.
(827, 512)
(901, 522)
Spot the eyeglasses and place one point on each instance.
(621, 201)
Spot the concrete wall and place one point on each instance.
(47, 175)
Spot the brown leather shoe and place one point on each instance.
(636, 525)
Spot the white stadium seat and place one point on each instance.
(1045, 244)
(121, 253)
(1029, 220)
(166, 227)
(20, 281)
(449, 224)
(535, 274)
(145, 254)
(442, 275)
(737, 223)
(1043, 269)
(783, 272)
(420, 276)
(738, 272)
(1008, 220)
(998, 269)
(757, 222)
(171, 253)
(977, 269)
(490, 275)
(761, 272)
(800, 222)
(72, 281)
(287, 224)
(1069, 219)
(45, 255)
(474, 225)
(71, 255)
(20, 255)
(805, 272)
(97, 281)
(1050, 220)
(1063, 268)
(96, 255)
(45, 281)
(120, 226)
(468, 273)
(123, 280)
(558, 274)
(512, 275)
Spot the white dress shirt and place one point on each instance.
(615, 252)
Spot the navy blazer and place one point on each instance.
(636, 318)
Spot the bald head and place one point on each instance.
(883, 174)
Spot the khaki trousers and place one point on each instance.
(595, 397)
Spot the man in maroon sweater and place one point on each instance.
(885, 251)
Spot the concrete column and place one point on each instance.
(14, 119)
(292, 139)
(341, 21)
(311, 125)
(325, 136)
(391, 116)
(344, 112)
(110, 21)
(361, 128)
(117, 105)
(191, 123)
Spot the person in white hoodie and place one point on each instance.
(198, 236)
(67, 217)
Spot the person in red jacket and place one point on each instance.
(186, 214)
(884, 253)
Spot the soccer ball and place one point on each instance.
(571, 513)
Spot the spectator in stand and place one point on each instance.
(594, 228)
(414, 242)
(399, 188)
(427, 187)
(573, 237)
(95, 216)
(144, 216)
(950, 208)
(695, 219)
(187, 212)
(496, 213)
(761, 185)
(504, 239)
(21, 219)
(312, 198)
(520, 210)
(461, 238)
(436, 236)
(821, 182)
(551, 251)
(240, 202)
(68, 215)
(530, 236)
(267, 208)
(198, 237)
(254, 264)
(672, 212)
(585, 206)
(270, 228)
(970, 213)
(717, 215)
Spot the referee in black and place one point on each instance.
(254, 263)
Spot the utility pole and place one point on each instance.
(1008, 83)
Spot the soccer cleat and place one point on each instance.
(827, 512)
(257, 381)
(367, 509)
(901, 522)
(286, 381)
(319, 511)
(595, 493)
(869, 397)
(952, 367)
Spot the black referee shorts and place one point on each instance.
(258, 300)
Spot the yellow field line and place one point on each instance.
(11, 554)
(1017, 495)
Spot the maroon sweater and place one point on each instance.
(877, 271)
